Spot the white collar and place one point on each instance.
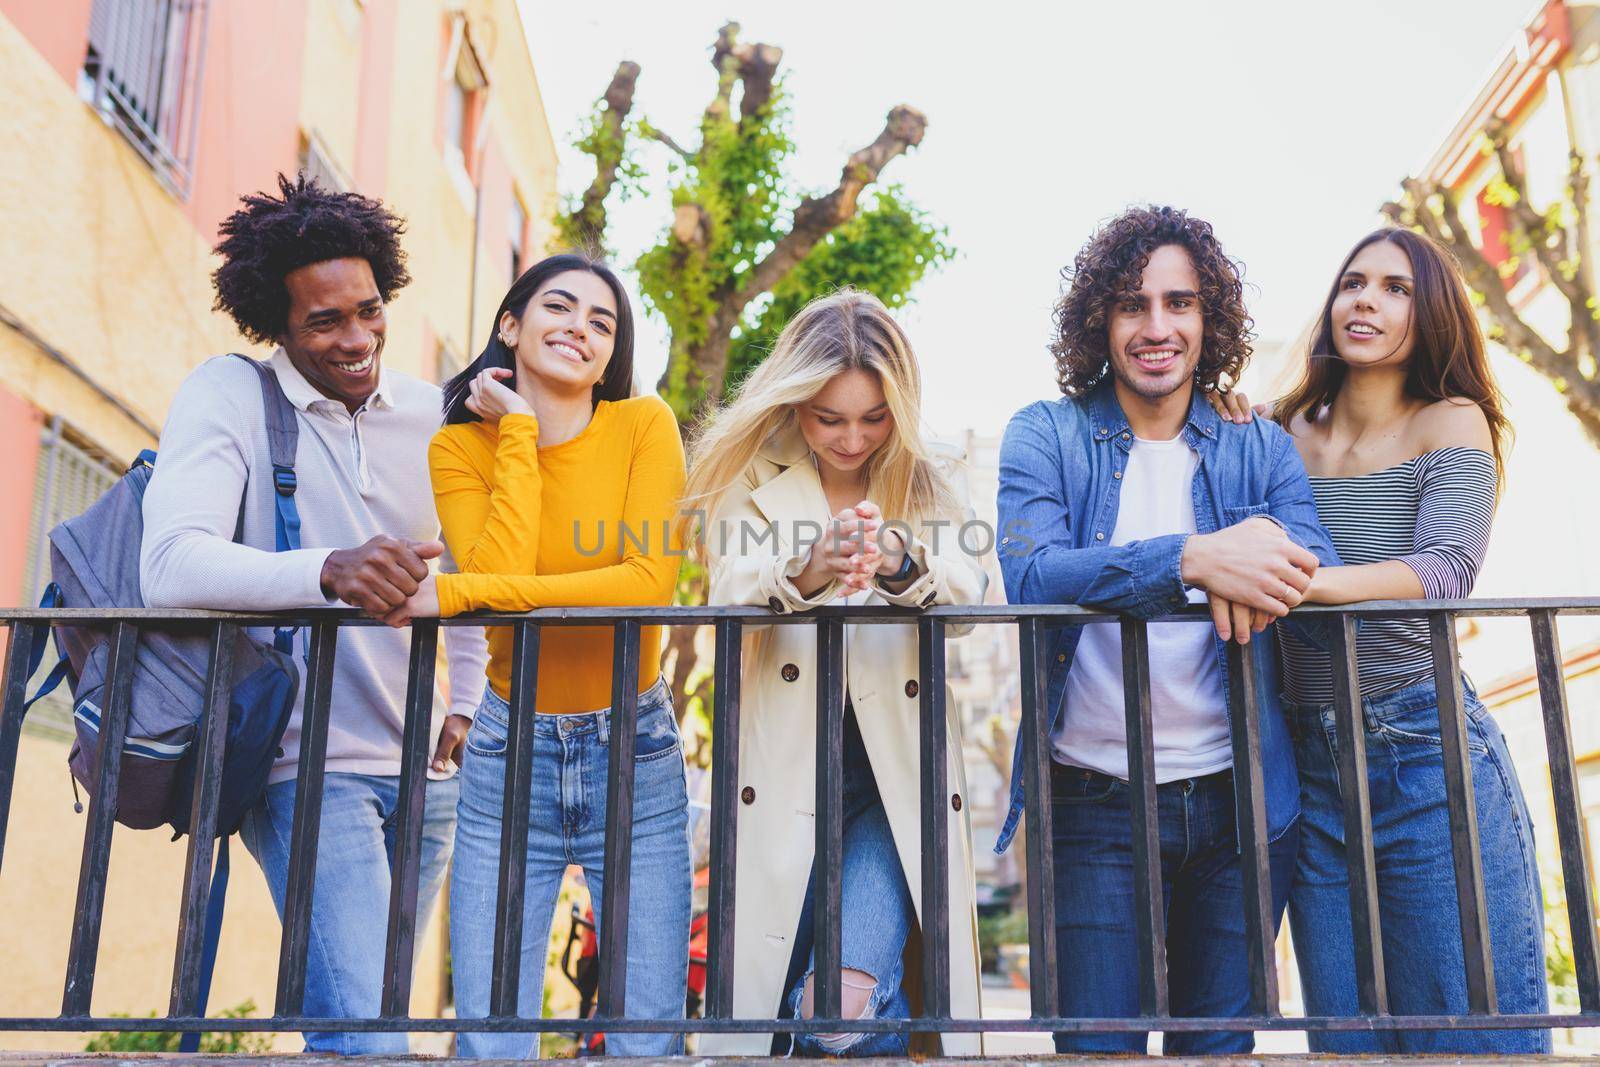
(302, 394)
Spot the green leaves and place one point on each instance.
(885, 250)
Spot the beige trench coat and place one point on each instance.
(777, 742)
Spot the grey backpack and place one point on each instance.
(94, 563)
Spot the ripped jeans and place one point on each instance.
(875, 908)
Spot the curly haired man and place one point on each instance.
(311, 272)
(1129, 493)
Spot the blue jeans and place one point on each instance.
(566, 825)
(350, 899)
(875, 911)
(1202, 887)
(1416, 879)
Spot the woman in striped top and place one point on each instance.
(1399, 421)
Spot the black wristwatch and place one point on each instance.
(908, 567)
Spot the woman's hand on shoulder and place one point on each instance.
(1234, 405)
(490, 399)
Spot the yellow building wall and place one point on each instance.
(104, 264)
(100, 260)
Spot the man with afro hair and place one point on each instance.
(1129, 493)
(311, 271)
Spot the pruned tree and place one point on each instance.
(743, 248)
(1557, 239)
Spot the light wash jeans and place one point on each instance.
(875, 911)
(1416, 881)
(567, 824)
(350, 900)
(1202, 892)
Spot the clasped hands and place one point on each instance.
(857, 545)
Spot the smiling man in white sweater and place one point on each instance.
(311, 271)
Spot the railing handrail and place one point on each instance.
(683, 615)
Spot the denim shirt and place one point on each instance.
(1061, 466)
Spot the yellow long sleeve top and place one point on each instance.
(588, 522)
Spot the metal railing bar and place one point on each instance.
(1568, 805)
(90, 910)
(721, 894)
(406, 869)
(505, 982)
(197, 872)
(1150, 903)
(1372, 990)
(13, 693)
(1039, 848)
(617, 889)
(936, 802)
(877, 1025)
(1476, 607)
(826, 870)
(1249, 791)
(306, 825)
(1463, 811)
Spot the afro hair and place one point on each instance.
(270, 236)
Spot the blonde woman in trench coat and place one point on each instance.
(823, 439)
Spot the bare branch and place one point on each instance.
(666, 139)
(758, 68)
(814, 219)
(727, 67)
(589, 222)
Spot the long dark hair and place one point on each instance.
(1448, 358)
(618, 381)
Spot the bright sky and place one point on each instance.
(1285, 124)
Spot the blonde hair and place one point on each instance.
(846, 330)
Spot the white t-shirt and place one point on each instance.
(1186, 698)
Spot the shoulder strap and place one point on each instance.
(190, 1042)
(283, 439)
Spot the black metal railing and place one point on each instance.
(1033, 625)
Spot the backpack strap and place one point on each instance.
(190, 1042)
(283, 438)
(63, 666)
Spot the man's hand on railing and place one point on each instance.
(378, 576)
(422, 604)
(1253, 573)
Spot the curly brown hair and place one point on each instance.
(1112, 264)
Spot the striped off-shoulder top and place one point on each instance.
(1433, 514)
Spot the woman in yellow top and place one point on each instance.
(825, 434)
(557, 487)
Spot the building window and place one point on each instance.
(142, 71)
(70, 474)
(519, 234)
(317, 163)
(466, 91)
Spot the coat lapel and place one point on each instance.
(795, 493)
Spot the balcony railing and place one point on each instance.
(1032, 623)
